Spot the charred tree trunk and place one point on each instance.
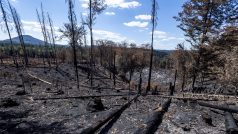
(231, 127)
(114, 70)
(91, 39)
(140, 83)
(155, 120)
(53, 39)
(154, 22)
(76, 65)
(18, 27)
(183, 80)
(175, 78)
(102, 122)
(73, 40)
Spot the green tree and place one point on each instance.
(201, 20)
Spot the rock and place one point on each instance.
(95, 105)
(9, 103)
(22, 92)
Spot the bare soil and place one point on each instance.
(73, 116)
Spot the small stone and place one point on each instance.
(22, 92)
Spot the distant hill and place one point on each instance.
(27, 39)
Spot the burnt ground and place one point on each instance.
(29, 115)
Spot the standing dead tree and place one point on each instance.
(19, 30)
(95, 8)
(42, 20)
(154, 24)
(74, 33)
(52, 34)
(6, 19)
(73, 23)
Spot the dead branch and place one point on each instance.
(35, 77)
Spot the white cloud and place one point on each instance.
(14, 0)
(102, 34)
(84, 14)
(160, 35)
(136, 24)
(110, 13)
(132, 4)
(165, 41)
(116, 3)
(143, 17)
(163, 36)
(33, 28)
(85, 5)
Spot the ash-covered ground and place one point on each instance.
(28, 114)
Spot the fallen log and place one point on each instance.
(80, 97)
(214, 96)
(92, 129)
(224, 108)
(155, 120)
(231, 127)
(189, 98)
(35, 77)
(182, 98)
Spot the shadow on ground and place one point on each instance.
(14, 123)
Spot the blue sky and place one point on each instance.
(123, 20)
